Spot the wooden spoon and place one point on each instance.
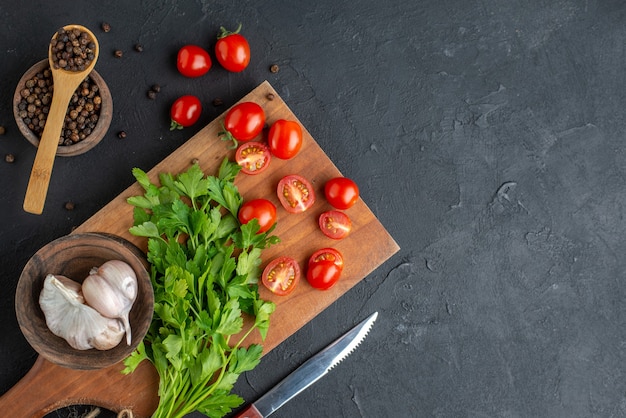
(65, 84)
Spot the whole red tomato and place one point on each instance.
(324, 268)
(243, 122)
(185, 112)
(262, 210)
(341, 192)
(232, 50)
(193, 61)
(285, 138)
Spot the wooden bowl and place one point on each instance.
(100, 130)
(73, 256)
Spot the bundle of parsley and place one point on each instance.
(204, 268)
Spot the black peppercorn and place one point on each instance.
(9, 158)
(118, 53)
(2, 130)
(121, 134)
(217, 102)
(270, 96)
(274, 68)
(156, 88)
(138, 47)
(69, 205)
(152, 94)
(106, 27)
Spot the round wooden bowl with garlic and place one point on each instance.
(74, 256)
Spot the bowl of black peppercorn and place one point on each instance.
(88, 115)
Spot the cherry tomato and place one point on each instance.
(262, 210)
(281, 275)
(323, 274)
(243, 122)
(185, 112)
(327, 254)
(335, 224)
(341, 192)
(193, 61)
(295, 193)
(232, 50)
(253, 157)
(285, 138)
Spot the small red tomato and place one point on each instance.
(262, 210)
(323, 274)
(327, 254)
(243, 122)
(232, 50)
(185, 112)
(285, 138)
(295, 193)
(281, 275)
(253, 157)
(335, 224)
(193, 61)
(341, 192)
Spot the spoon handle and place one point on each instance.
(44, 159)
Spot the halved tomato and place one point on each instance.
(327, 254)
(335, 224)
(281, 275)
(295, 193)
(253, 157)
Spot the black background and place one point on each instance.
(487, 136)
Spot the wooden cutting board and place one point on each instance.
(47, 386)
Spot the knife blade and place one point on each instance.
(309, 372)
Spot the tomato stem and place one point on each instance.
(175, 125)
(224, 32)
(225, 135)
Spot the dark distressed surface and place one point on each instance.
(487, 136)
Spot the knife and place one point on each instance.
(309, 372)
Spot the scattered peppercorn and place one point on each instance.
(82, 114)
(9, 158)
(270, 96)
(72, 50)
(106, 27)
(195, 161)
(274, 68)
(152, 94)
(138, 47)
(217, 102)
(2, 130)
(118, 53)
(156, 88)
(121, 134)
(69, 205)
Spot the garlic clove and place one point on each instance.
(107, 290)
(110, 335)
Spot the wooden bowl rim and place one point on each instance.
(32, 321)
(98, 133)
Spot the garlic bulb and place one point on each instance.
(111, 289)
(80, 325)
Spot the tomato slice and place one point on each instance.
(323, 274)
(335, 224)
(327, 254)
(253, 157)
(295, 193)
(281, 275)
